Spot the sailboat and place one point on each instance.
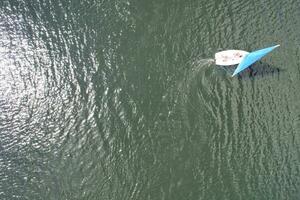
(244, 59)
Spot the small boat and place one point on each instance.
(242, 58)
(230, 57)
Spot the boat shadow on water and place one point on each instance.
(257, 70)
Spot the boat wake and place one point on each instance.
(197, 91)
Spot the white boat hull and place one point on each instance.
(230, 57)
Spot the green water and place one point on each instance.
(118, 99)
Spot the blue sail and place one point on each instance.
(252, 58)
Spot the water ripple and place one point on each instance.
(121, 100)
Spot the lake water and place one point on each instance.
(120, 99)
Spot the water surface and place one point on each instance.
(121, 100)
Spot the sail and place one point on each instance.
(252, 57)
